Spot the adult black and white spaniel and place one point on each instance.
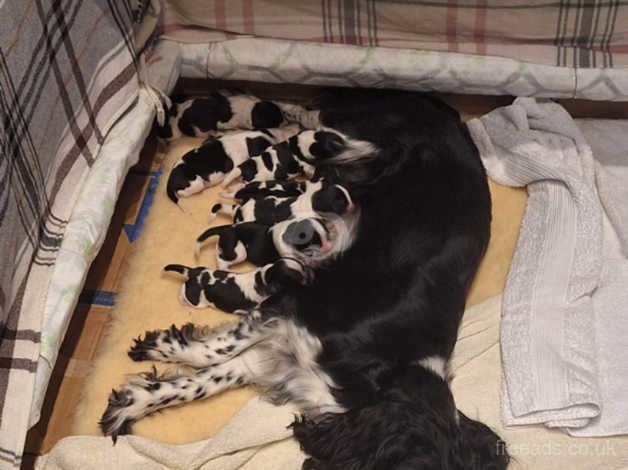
(362, 350)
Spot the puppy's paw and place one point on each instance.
(233, 189)
(230, 178)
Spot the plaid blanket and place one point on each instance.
(67, 73)
(569, 33)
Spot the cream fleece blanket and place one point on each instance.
(257, 437)
(149, 300)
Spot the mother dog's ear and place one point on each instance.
(399, 435)
(482, 447)
(386, 435)
(330, 440)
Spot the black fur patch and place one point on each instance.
(268, 212)
(205, 114)
(266, 115)
(257, 145)
(286, 159)
(327, 145)
(165, 132)
(152, 386)
(227, 296)
(267, 160)
(330, 200)
(248, 169)
(210, 158)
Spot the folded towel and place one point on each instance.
(563, 362)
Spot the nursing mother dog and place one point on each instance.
(363, 348)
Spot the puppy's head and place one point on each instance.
(285, 272)
(332, 199)
(412, 425)
(308, 240)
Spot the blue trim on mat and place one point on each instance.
(133, 230)
(98, 297)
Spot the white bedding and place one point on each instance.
(282, 61)
(89, 222)
(85, 233)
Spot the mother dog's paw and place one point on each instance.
(113, 422)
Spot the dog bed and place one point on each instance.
(257, 434)
(149, 301)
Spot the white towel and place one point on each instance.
(564, 355)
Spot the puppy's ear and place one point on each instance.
(481, 447)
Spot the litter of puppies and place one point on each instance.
(267, 146)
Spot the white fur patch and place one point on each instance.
(356, 149)
(246, 283)
(241, 108)
(196, 186)
(436, 364)
(174, 120)
(305, 140)
(297, 113)
(285, 366)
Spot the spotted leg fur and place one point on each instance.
(275, 354)
(147, 393)
(219, 355)
(196, 346)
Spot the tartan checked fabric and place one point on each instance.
(566, 33)
(67, 73)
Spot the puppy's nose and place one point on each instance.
(326, 247)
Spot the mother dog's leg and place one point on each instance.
(223, 357)
(147, 393)
(198, 346)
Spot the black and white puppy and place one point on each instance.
(295, 157)
(208, 164)
(261, 189)
(237, 243)
(260, 244)
(236, 292)
(221, 110)
(363, 349)
(322, 198)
